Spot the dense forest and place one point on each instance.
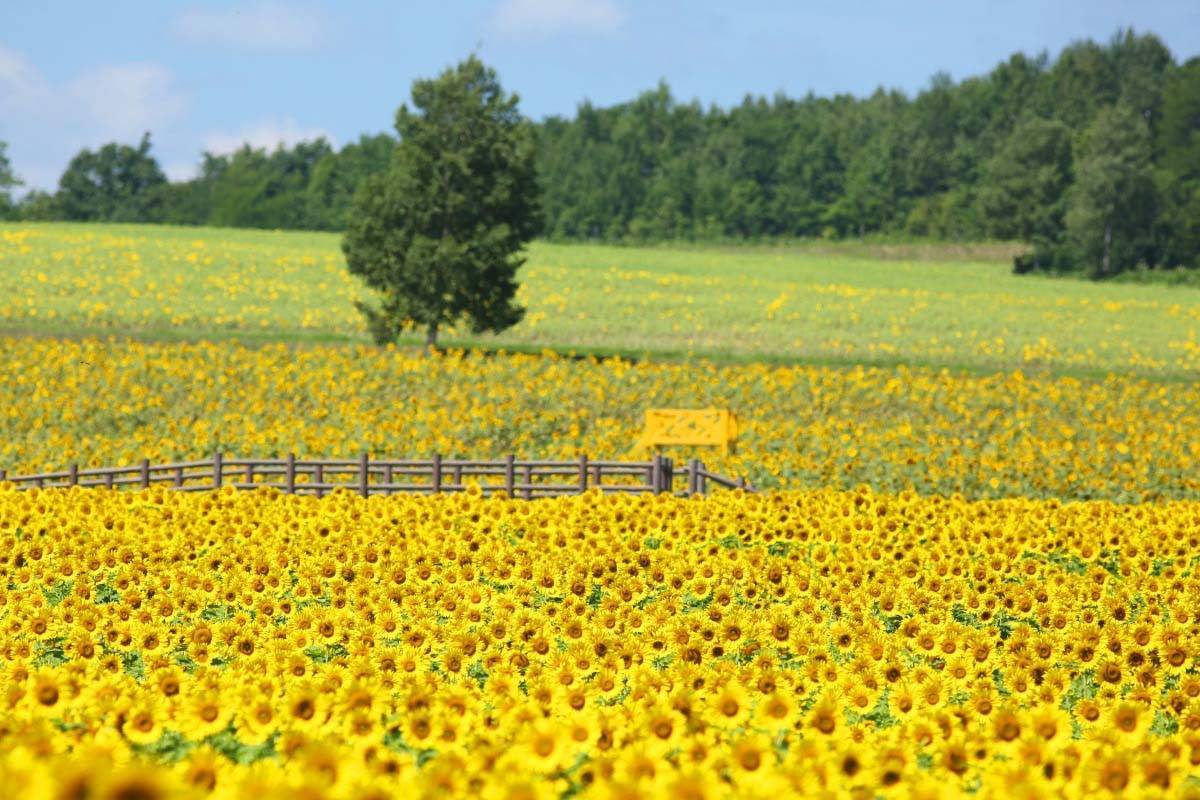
(1093, 157)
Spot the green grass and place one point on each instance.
(835, 303)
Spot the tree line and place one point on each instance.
(1093, 157)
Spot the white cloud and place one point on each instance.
(265, 26)
(267, 134)
(125, 100)
(534, 18)
(45, 124)
(20, 84)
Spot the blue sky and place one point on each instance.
(210, 75)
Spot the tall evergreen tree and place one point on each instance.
(1023, 194)
(1112, 204)
(439, 235)
(1179, 167)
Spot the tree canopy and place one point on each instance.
(116, 183)
(994, 155)
(439, 234)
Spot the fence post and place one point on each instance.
(249, 472)
(659, 474)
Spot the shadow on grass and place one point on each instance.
(483, 348)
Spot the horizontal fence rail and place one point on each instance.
(367, 476)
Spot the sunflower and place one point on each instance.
(47, 695)
(891, 765)
(1007, 725)
(168, 681)
(1131, 720)
(662, 723)
(144, 720)
(545, 747)
(731, 705)
(902, 698)
(357, 695)
(418, 728)
(823, 717)
(134, 781)
(304, 706)
(749, 754)
(1111, 773)
(1049, 722)
(359, 725)
(692, 785)
(1176, 656)
(852, 763)
(204, 713)
(955, 756)
(643, 762)
(775, 711)
(202, 768)
(255, 719)
(319, 763)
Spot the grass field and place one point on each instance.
(958, 307)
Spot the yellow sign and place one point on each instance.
(707, 426)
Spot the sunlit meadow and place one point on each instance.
(814, 303)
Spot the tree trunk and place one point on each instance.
(1107, 246)
(431, 338)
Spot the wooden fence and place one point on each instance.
(366, 476)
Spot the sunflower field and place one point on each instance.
(810, 644)
(109, 402)
(969, 570)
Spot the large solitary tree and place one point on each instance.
(439, 235)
